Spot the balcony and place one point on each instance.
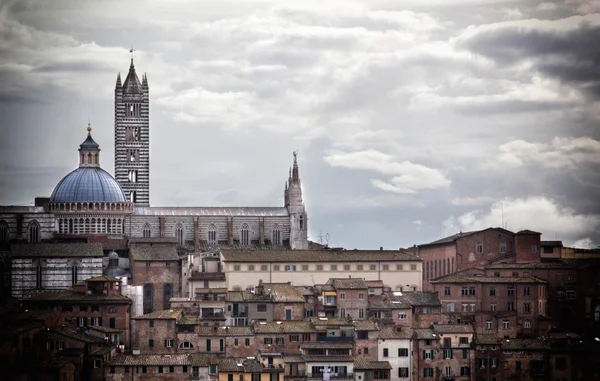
(335, 339)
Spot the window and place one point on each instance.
(319, 267)
(511, 291)
(386, 267)
(570, 277)
(385, 352)
(212, 234)
(372, 267)
(447, 291)
(534, 248)
(261, 307)
(413, 267)
(471, 291)
(245, 235)
(465, 371)
(342, 296)
(247, 342)
(361, 295)
(479, 247)
(502, 247)
(560, 363)
(428, 354)
(96, 321)
(518, 365)
(448, 372)
(402, 372)
(34, 232)
(493, 307)
(465, 354)
(505, 324)
(294, 338)
(151, 343)
(463, 340)
(402, 315)
(450, 307)
(496, 273)
(111, 323)
(333, 267)
(428, 372)
(515, 274)
(268, 340)
(82, 321)
(169, 343)
(160, 369)
(571, 294)
(359, 267)
(279, 340)
(511, 306)
(208, 345)
(402, 352)
(346, 267)
(448, 354)
(151, 323)
(526, 307)
(266, 267)
(186, 345)
(290, 267)
(465, 291)
(361, 313)
(236, 267)
(492, 291)
(526, 324)
(97, 364)
(526, 291)
(488, 324)
(60, 345)
(399, 267)
(276, 236)
(179, 233)
(4, 232)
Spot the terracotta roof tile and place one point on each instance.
(388, 332)
(327, 344)
(347, 283)
(284, 293)
(162, 314)
(361, 363)
(286, 326)
(77, 297)
(364, 325)
(486, 279)
(224, 331)
(452, 328)
(56, 250)
(421, 298)
(121, 359)
(154, 253)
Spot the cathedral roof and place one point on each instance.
(89, 143)
(211, 211)
(88, 184)
(132, 84)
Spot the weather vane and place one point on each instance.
(131, 51)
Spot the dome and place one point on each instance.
(88, 184)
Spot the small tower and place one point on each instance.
(296, 209)
(89, 151)
(132, 137)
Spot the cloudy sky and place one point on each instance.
(413, 119)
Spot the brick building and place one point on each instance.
(97, 302)
(506, 306)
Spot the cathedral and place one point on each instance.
(90, 206)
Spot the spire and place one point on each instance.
(89, 151)
(295, 173)
(132, 83)
(119, 80)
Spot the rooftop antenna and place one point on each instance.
(320, 237)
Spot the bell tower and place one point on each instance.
(296, 209)
(132, 137)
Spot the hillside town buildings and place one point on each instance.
(98, 284)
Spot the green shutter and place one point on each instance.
(464, 353)
(424, 354)
(451, 353)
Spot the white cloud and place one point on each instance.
(559, 153)
(409, 177)
(471, 201)
(537, 213)
(584, 243)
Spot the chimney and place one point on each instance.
(380, 248)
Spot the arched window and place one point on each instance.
(167, 294)
(452, 264)
(427, 270)
(212, 234)
(443, 267)
(147, 232)
(448, 265)
(186, 345)
(276, 235)
(4, 233)
(112, 310)
(301, 222)
(179, 233)
(245, 235)
(34, 232)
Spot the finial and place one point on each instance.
(89, 128)
(131, 51)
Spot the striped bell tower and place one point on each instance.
(132, 137)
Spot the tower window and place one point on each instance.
(301, 222)
(276, 235)
(132, 176)
(132, 196)
(133, 155)
(212, 234)
(245, 235)
(34, 232)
